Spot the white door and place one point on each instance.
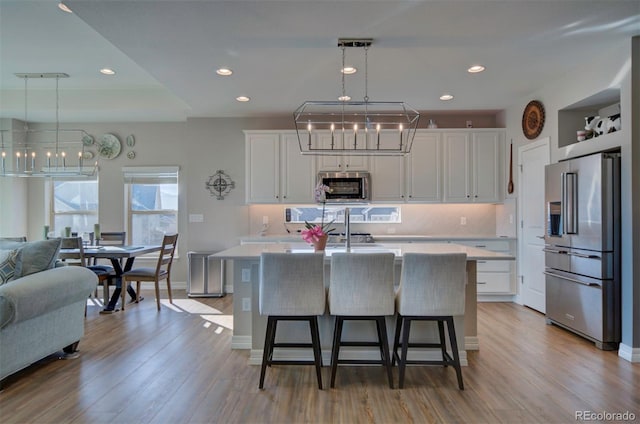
(532, 159)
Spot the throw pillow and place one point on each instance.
(37, 256)
(8, 267)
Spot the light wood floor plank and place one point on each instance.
(176, 366)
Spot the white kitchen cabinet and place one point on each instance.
(340, 162)
(424, 168)
(388, 172)
(495, 277)
(276, 172)
(472, 166)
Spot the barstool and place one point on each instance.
(361, 288)
(291, 289)
(432, 288)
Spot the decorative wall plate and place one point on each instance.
(131, 141)
(533, 119)
(131, 154)
(220, 184)
(87, 155)
(87, 140)
(109, 146)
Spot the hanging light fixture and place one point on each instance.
(355, 127)
(27, 152)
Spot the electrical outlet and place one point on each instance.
(246, 304)
(265, 220)
(510, 218)
(246, 275)
(463, 220)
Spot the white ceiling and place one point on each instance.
(285, 52)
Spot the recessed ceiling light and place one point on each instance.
(107, 71)
(225, 72)
(243, 98)
(344, 98)
(475, 69)
(446, 97)
(348, 70)
(64, 7)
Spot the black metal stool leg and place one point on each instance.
(335, 350)
(454, 349)
(443, 342)
(402, 363)
(266, 350)
(384, 347)
(317, 353)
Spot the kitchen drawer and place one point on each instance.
(493, 245)
(494, 282)
(494, 266)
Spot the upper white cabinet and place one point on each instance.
(472, 166)
(388, 172)
(424, 168)
(276, 172)
(339, 162)
(450, 166)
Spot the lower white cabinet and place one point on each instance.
(495, 277)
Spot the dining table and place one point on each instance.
(115, 254)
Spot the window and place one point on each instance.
(74, 203)
(151, 203)
(369, 214)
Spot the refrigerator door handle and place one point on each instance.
(582, 255)
(561, 252)
(571, 209)
(563, 277)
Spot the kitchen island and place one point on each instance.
(249, 327)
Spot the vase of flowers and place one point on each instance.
(315, 234)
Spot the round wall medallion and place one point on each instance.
(533, 119)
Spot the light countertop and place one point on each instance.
(253, 250)
(392, 238)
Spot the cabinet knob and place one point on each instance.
(468, 196)
(410, 196)
(475, 196)
(284, 197)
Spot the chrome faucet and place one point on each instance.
(347, 228)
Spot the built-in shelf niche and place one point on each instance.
(571, 118)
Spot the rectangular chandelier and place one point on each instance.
(26, 152)
(355, 127)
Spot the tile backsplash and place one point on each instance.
(436, 219)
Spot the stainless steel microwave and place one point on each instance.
(347, 187)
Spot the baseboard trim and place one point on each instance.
(255, 356)
(241, 342)
(471, 343)
(628, 353)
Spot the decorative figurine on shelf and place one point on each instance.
(317, 235)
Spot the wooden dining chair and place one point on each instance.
(162, 271)
(76, 259)
(106, 274)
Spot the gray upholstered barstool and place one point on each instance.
(432, 288)
(361, 288)
(291, 289)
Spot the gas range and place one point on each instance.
(336, 238)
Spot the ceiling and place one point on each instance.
(282, 53)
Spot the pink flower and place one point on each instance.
(313, 234)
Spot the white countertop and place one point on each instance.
(253, 251)
(394, 238)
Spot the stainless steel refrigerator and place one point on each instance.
(582, 247)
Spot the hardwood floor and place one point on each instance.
(176, 366)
